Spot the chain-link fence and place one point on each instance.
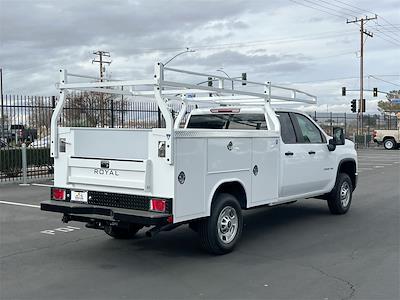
(25, 126)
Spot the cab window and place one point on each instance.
(287, 129)
(309, 132)
(228, 121)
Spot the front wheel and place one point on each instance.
(339, 199)
(389, 144)
(220, 232)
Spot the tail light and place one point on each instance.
(374, 133)
(159, 205)
(58, 194)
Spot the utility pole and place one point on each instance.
(362, 21)
(101, 61)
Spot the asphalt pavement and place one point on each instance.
(297, 251)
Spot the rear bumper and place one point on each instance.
(87, 213)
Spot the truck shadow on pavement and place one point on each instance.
(269, 234)
(261, 226)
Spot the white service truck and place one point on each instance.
(234, 152)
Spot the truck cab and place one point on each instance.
(235, 152)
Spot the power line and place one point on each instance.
(358, 8)
(332, 4)
(386, 21)
(327, 12)
(391, 37)
(344, 78)
(379, 25)
(327, 7)
(322, 35)
(377, 78)
(386, 27)
(324, 80)
(387, 40)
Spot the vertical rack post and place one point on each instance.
(56, 114)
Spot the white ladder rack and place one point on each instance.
(164, 91)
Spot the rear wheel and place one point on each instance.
(220, 232)
(125, 231)
(339, 199)
(389, 144)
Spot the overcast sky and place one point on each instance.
(286, 42)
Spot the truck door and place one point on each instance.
(318, 160)
(294, 175)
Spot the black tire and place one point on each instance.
(194, 225)
(339, 199)
(390, 144)
(226, 210)
(125, 231)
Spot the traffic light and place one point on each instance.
(244, 78)
(210, 81)
(344, 91)
(375, 92)
(353, 105)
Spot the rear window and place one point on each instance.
(228, 121)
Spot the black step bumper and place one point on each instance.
(87, 213)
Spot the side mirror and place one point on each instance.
(331, 145)
(338, 138)
(338, 135)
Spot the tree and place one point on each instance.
(40, 110)
(386, 106)
(88, 109)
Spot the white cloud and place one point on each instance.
(276, 41)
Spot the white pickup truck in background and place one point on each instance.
(389, 138)
(236, 153)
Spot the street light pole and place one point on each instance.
(180, 53)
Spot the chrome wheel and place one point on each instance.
(227, 224)
(389, 144)
(345, 194)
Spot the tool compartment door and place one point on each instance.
(265, 168)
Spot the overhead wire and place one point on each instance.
(336, 13)
(387, 40)
(379, 25)
(387, 35)
(377, 78)
(322, 35)
(327, 7)
(327, 12)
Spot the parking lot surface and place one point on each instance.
(297, 251)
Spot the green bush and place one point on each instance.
(11, 159)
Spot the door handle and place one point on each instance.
(289, 153)
(311, 152)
